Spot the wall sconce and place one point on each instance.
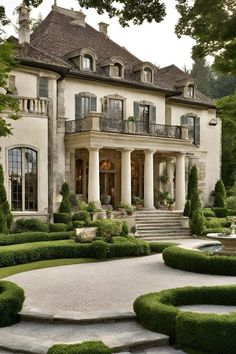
(213, 122)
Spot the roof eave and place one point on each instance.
(191, 103)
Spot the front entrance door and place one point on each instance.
(107, 182)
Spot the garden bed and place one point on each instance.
(209, 333)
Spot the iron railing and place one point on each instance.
(126, 127)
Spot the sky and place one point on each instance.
(154, 42)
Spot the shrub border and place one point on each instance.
(199, 262)
(211, 333)
(11, 302)
(88, 347)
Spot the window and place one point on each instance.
(22, 170)
(85, 103)
(43, 87)
(117, 70)
(190, 91)
(193, 123)
(147, 75)
(88, 62)
(116, 109)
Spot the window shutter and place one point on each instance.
(78, 107)
(43, 87)
(197, 131)
(93, 104)
(136, 109)
(105, 106)
(184, 120)
(152, 116)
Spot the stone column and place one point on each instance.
(180, 182)
(170, 173)
(93, 178)
(126, 176)
(148, 180)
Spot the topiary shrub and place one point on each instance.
(106, 229)
(192, 182)
(220, 195)
(78, 224)
(208, 212)
(220, 212)
(6, 216)
(61, 218)
(58, 227)
(187, 208)
(82, 216)
(82, 348)
(158, 247)
(11, 302)
(65, 206)
(33, 225)
(100, 249)
(197, 223)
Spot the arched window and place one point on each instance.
(147, 75)
(23, 177)
(117, 70)
(88, 62)
(190, 91)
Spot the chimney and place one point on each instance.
(103, 27)
(24, 24)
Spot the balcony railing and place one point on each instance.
(96, 123)
(33, 105)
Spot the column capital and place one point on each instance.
(128, 149)
(149, 151)
(94, 148)
(180, 154)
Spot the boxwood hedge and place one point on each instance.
(209, 333)
(34, 237)
(82, 348)
(199, 262)
(11, 301)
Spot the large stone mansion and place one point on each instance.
(102, 120)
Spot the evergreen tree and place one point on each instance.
(204, 77)
(5, 212)
(220, 195)
(65, 206)
(197, 222)
(192, 182)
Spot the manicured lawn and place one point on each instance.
(8, 271)
(33, 245)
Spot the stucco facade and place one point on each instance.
(105, 134)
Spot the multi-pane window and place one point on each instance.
(144, 111)
(147, 75)
(190, 91)
(22, 170)
(84, 103)
(117, 70)
(43, 86)
(191, 128)
(87, 62)
(193, 123)
(116, 109)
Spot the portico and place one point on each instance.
(107, 165)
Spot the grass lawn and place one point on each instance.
(32, 245)
(8, 271)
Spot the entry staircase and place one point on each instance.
(153, 225)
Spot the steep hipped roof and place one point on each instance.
(60, 33)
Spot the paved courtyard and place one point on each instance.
(105, 286)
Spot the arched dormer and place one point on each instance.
(145, 72)
(84, 58)
(188, 87)
(114, 66)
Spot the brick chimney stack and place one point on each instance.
(24, 24)
(103, 27)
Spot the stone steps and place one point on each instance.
(39, 331)
(157, 224)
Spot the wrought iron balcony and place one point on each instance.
(123, 127)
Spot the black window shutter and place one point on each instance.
(136, 109)
(105, 107)
(78, 106)
(43, 87)
(93, 104)
(184, 120)
(152, 115)
(197, 131)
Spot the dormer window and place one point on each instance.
(88, 62)
(190, 91)
(117, 70)
(147, 75)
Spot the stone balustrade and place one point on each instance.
(33, 105)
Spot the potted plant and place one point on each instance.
(162, 199)
(109, 213)
(122, 208)
(138, 202)
(105, 199)
(170, 203)
(129, 210)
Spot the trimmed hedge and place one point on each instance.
(58, 227)
(158, 247)
(220, 212)
(32, 225)
(209, 333)
(32, 252)
(199, 262)
(61, 218)
(82, 348)
(28, 237)
(11, 302)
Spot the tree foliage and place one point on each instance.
(220, 195)
(5, 212)
(7, 102)
(212, 24)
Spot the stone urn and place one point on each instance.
(105, 199)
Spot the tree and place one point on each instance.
(7, 102)
(227, 109)
(220, 195)
(65, 206)
(203, 75)
(212, 24)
